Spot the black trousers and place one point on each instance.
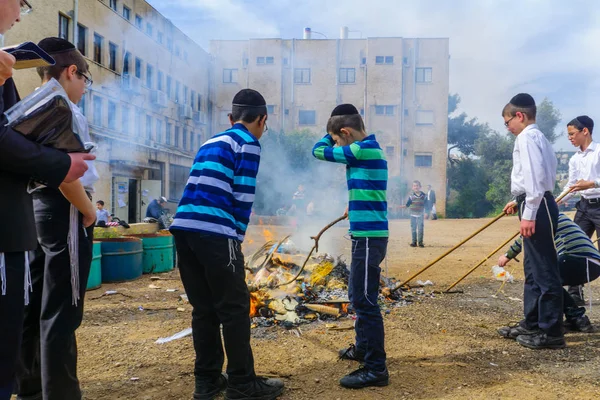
(48, 360)
(543, 292)
(12, 305)
(588, 218)
(212, 272)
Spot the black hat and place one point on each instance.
(55, 45)
(523, 100)
(344, 109)
(586, 121)
(249, 98)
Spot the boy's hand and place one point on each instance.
(503, 260)
(78, 166)
(583, 185)
(7, 61)
(89, 220)
(510, 208)
(345, 213)
(527, 228)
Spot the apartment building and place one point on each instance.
(399, 84)
(148, 106)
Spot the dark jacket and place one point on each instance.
(154, 210)
(20, 161)
(430, 199)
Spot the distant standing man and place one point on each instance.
(584, 177)
(430, 210)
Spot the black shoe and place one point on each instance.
(363, 377)
(37, 396)
(206, 390)
(541, 340)
(512, 331)
(413, 244)
(352, 353)
(580, 324)
(576, 293)
(258, 389)
(421, 245)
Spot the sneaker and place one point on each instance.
(352, 353)
(512, 331)
(576, 293)
(421, 245)
(541, 340)
(364, 377)
(206, 390)
(580, 324)
(413, 244)
(258, 389)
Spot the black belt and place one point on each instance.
(592, 202)
(521, 198)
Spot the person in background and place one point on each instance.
(102, 215)
(430, 211)
(156, 208)
(20, 161)
(416, 205)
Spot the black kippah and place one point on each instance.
(523, 100)
(249, 98)
(54, 45)
(586, 121)
(344, 109)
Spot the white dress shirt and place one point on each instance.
(534, 169)
(90, 177)
(585, 165)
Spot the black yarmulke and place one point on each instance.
(54, 45)
(248, 98)
(523, 100)
(344, 109)
(586, 121)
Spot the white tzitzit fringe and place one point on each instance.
(3, 273)
(73, 243)
(28, 286)
(232, 256)
(367, 271)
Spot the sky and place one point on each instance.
(498, 48)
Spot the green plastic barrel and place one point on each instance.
(95, 277)
(121, 259)
(158, 253)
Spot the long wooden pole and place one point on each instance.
(497, 249)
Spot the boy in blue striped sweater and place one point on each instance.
(209, 228)
(366, 174)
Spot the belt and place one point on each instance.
(521, 198)
(595, 201)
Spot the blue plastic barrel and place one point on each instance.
(95, 277)
(121, 259)
(158, 253)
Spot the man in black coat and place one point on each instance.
(20, 161)
(430, 203)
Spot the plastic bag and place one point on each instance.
(46, 117)
(501, 274)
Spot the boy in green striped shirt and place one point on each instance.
(366, 175)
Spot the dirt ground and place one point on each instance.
(440, 347)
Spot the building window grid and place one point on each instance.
(97, 110)
(149, 75)
(98, 42)
(82, 39)
(138, 67)
(384, 110)
(126, 13)
(230, 75)
(347, 75)
(138, 21)
(159, 81)
(384, 60)
(112, 56)
(113, 4)
(148, 127)
(423, 160)
(112, 115)
(307, 117)
(158, 131)
(125, 120)
(302, 75)
(63, 26)
(168, 133)
(178, 176)
(424, 75)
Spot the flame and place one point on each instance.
(254, 303)
(268, 235)
(344, 307)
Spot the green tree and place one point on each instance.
(469, 182)
(547, 119)
(463, 131)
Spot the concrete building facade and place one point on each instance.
(400, 86)
(148, 106)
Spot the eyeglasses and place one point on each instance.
(508, 122)
(266, 127)
(88, 79)
(25, 7)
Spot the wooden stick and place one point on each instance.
(315, 247)
(497, 249)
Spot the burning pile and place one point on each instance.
(289, 287)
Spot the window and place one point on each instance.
(260, 60)
(384, 59)
(149, 75)
(230, 75)
(126, 62)
(138, 122)
(285, 61)
(159, 37)
(113, 4)
(191, 141)
(149, 29)
(270, 60)
(307, 117)
(178, 177)
(170, 44)
(270, 109)
(177, 86)
(193, 102)
(168, 133)
(384, 110)
(126, 13)
(347, 75)
(125, 120)
(199, 102)
(158, 131)
(185, 95)
(177, 51)
(423, 160)
(98, 40)
(112, 56)
(138, 68)
(176, 138)
(389, 151)
(159, 81)
(63, 26)
(302, 75)
(423, 75)
(98, 110)
(82, 104)
(112, 115)
(148, 127)
(138, 21)
(185, 137)
(81, 39)
(424, 117)
(169, 85)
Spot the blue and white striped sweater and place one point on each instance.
(219, 193)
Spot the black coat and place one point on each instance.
(20, 161)
(430, 198)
